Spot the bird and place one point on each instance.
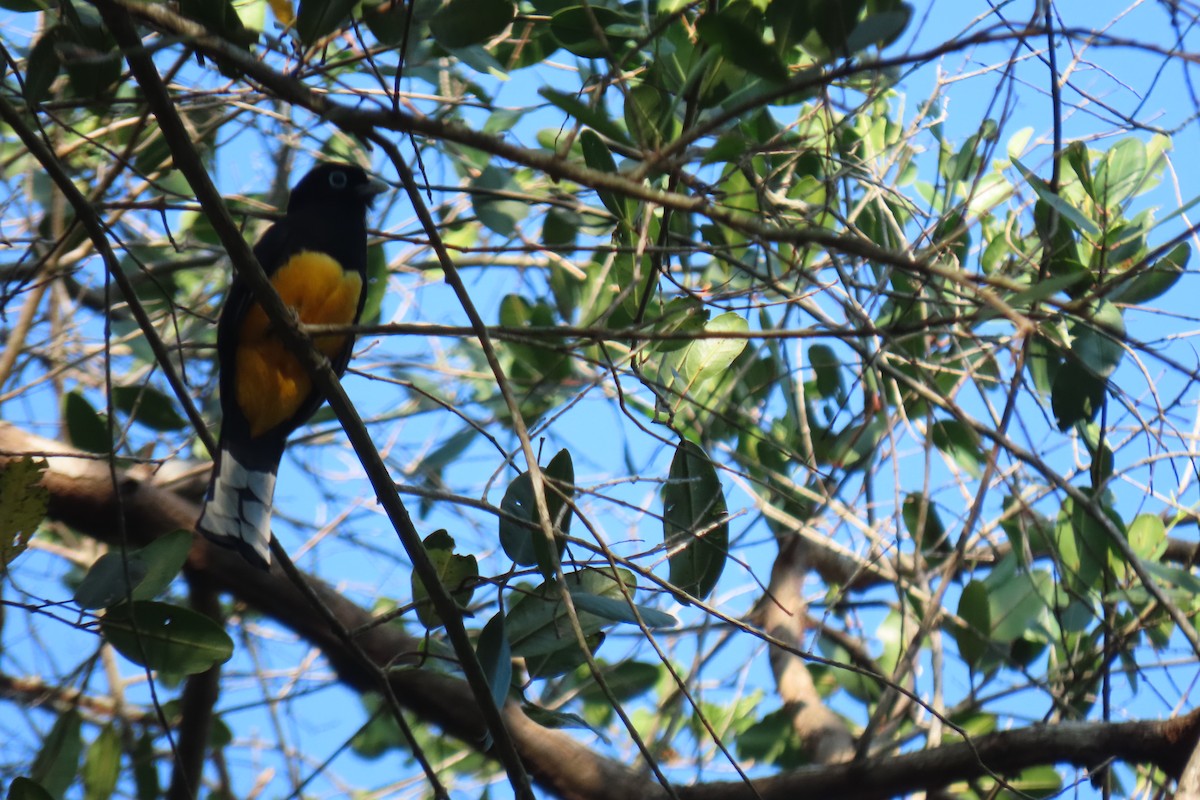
(316, 258)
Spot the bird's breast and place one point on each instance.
(271, 382)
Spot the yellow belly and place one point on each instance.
(271, 383)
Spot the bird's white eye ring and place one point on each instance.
(337, 180)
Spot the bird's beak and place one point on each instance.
(371, 188)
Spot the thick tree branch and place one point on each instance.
(783, 610)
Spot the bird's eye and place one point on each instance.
(337, 180)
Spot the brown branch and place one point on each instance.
(783, 611)
(32, 692)
(1163, 743)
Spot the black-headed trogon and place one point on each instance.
(316, 258)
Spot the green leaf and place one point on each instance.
(538, 623)
(648, 115)
(1083, 547)
(220, 17)
(380, 734)
(1148, 536)
(43, 65)
(560, 492)
(23, 504)
(563, 660)
(520, 537)
(90, 57)
(493, 205)
(790, 23)
(461, 23)
(163, 559)
(596, 118)
(1121, 172)
(57, 762)
(102, 765)
(618, 610)
(317, 19)
(695, 524)
(923, 522)
(1097, 343)
(86, 429)
(597, 157)
(975, 612)
(625, 679)
(694, 379)
(148, 406)
(835, 20)
(24, 788)
(854, 446)
(828, 369)
(560, 229)
(1043, 362)
(548, 718)
(773, 740)
(145, 770)
(1035, 782)
(1077, 394)
(459, 575)
(1156, 279)
(578, 29)
(107, 581)
(26, 6)
(879, 29)
(1017, 604)
(495, 656)
(166, 637)
(961, 443)
(740, 43)
(1080, 161)
(1048, 196)
(377, 284)
(387, 20)
(143, 573)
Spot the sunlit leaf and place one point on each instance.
(23, 504)
(458, 574)
(102, 765)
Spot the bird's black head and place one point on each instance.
(337, 185)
